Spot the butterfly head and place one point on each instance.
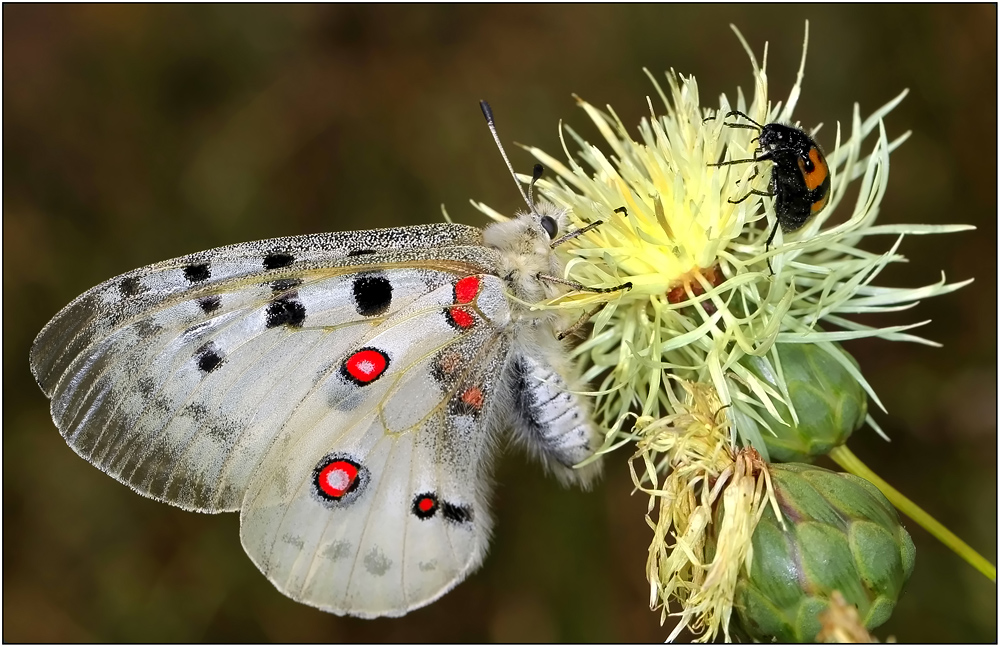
(525, 242)
(524, 245)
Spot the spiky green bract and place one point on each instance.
(829, 403)
(840, 534)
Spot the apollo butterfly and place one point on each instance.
(342, 391)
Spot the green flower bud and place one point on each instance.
(829, 402)
(841, 535)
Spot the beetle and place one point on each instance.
(800, 176)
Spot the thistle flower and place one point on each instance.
(706, 510)
(689, 361)
(702, 295)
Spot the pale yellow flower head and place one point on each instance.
(669, 354)
(702, 295)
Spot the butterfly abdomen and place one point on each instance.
(551, 419)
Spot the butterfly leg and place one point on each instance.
(573, 234)
(579, 232)
(580, 322)
(580, 286)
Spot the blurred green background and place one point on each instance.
(134, 134)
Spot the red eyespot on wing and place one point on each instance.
(366, 365)
(466, 289)
(473, 397)
(335, 480)
(460, 317)
(425, 505)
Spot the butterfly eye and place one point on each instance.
(549, 225)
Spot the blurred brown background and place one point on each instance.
(134, 134)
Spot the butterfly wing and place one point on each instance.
(175, 378)
(377, 510)
(344, 391)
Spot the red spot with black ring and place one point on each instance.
(473, 397)
(466, 289)
(460, 318)
(365, 366)
(425, 505)
(337, 479)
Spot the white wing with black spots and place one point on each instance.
(210, 281)
(182, 404)
(375, 511)
(344, 391)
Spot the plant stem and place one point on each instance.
(846, 459)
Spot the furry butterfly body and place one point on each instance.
(343, 391)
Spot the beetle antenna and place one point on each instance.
(737, 113)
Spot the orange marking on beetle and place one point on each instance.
(817, 206)
(817, 176)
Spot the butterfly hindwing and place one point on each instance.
(376, 510)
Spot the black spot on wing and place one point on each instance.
(210, 304)
(145, 386)
(197, 272)
(208, 357)
(360, 252)
(283, 285)
(286, 311)
(273, 261)
(456, 513)
(131, 286)
(372, 294)
(197, 412)
(145, 328)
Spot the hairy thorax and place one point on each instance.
(525, 256)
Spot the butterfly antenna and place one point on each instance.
(536, 173)
(488, 113)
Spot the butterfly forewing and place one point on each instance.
(213, 273)
(181, 401)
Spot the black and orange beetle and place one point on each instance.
(800, 177)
